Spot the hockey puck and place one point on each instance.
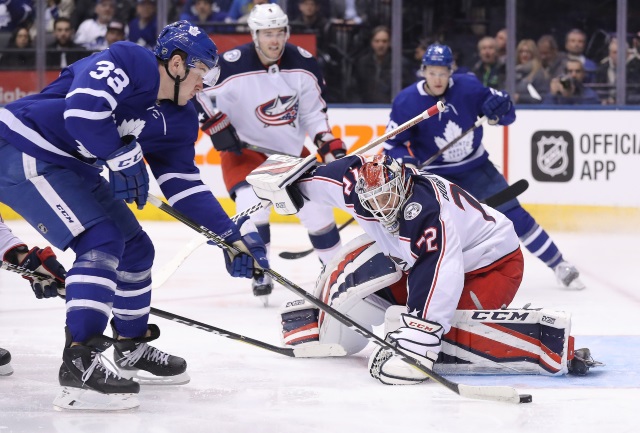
(526, 398)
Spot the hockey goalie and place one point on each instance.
(429, 249)
(370, 288)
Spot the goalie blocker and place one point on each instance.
(369, 287)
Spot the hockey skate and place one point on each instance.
(568, 276)
(88, 384)
(145, 364)
(262, 287)
(5, 363)
(582, 362)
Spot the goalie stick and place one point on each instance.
(509, 193)
(493, 393)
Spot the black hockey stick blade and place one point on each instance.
(291, 255)
(509, 193)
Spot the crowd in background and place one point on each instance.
(354, 42)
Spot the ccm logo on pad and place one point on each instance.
(420, 325)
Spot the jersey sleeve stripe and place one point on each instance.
(186, 193)
(85, 114)
(18, 127)
(97, 93)
(168, 176)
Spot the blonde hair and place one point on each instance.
(536, 65)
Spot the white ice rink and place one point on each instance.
(240, 388)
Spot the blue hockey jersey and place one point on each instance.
(463, 100)
(97, 103)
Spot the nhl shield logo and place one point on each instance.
(552, 156)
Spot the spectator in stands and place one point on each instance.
(143, 28)
(372, 71)
(245, 17)
(116, 32)
(501, 45)
(63, 51)
(204, 14)
(124, 11)
(348, 11)
(311, 19)
(91, 33)
(56, 9)
(606, 76)
(489, 70)
(241, 8)
(575, 44)
(15, 14)
(569, 89)
(532, 82)
(22, 55)
(418, 53)
(552, 60)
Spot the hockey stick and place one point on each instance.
(509, 193)
(494, 393)
(264, 150)
(311, 351)
(23, 271)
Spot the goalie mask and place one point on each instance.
(264, 17)
(382, 189)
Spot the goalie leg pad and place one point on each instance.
(299, 323)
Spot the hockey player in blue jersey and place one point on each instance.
(467, 163)
(112, 109)
(270, 94)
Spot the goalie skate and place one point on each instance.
(5, 362)
(582, 362)
(137, 360)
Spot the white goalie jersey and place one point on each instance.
(272, 107)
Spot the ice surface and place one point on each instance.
(240, 388)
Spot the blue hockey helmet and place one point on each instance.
(438, 55)
(182, 35)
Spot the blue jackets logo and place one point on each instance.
(552, 156)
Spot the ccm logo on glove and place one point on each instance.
(422, 326)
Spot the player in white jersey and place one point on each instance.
(44, 261)
(457, 252)
(270, 95)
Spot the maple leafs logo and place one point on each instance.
(194, 31)
(461, 149)
(131, 127)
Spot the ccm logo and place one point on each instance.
(64, 213)
(280, 205)
(294, 303)
(420, 325)
(549, 320)
(499, 315)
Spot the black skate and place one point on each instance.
(582, 362)
(136, 360)
(262, 287)
(88, 384)
(5, 362)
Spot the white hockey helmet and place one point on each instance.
(267, 16)
(382, 189)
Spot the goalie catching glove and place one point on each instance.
(417, 338)
(252, 255)
(222, 133)
(43, 261)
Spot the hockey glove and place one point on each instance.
(43, 261)
(496, 106)
(128, 175)
(253, 253)
(330, 148)
(222, 133)
(419, 339)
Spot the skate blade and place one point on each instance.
(575, 285)
(146, 378)
(6, 370)
(89, 400)
(264, 299)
